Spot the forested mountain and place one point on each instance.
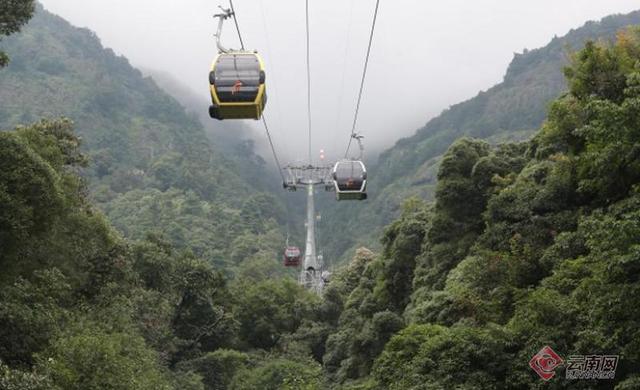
(82, 308)
(190, 297)
(152, 167)
(518, 245)
(527, 244)
(511, 110)
(235, 139)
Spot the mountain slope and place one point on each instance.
(527, 244)
(511, 110)
(83, 308)
(152, 167)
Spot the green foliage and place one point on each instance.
(12, 379)
(82, 308)
(402, 243)
(31, 313)
(13, 14)
(91, 358)
(470, 174)
(309, 339)
(431, 356)
(29, 192)
(510, 111)
(217, 368)
(459, 202)
(597, 72)
(527, 245)
(37, 160)
(48, 206)
(269, 309)
(151, 167)
(202, 312)
(279, 374)
(370, 301)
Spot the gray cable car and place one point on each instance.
(350, 180)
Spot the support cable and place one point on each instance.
(273, 149)
(353, 134)
(308, 77)
(235, 19)
(264, 120)
(344, 71)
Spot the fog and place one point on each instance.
(426, 55)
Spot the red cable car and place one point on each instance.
(292, 256)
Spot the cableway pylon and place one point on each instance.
(313, 273)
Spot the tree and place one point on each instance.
(217, 368)
(528, 245)
(13, 14)
(32, 313)
(269, 309)
(280, 374)
(122, 360)
(29, 192)
(430, 356)
(15, 379)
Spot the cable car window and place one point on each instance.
(349, 176)
(237, 78)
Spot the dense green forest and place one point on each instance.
(81, 308)
(510, 111)
(126, 269)
(527, 244)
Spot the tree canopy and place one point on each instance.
(13, 15)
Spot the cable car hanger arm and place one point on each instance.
(359, 137)
(226, 14)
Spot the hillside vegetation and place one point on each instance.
(152, 168)
(522, 244)
(509, 111)
(527, 244)
(82, 308)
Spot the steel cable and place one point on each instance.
(364, 75)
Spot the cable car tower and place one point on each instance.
(245, 98)
(313, 272)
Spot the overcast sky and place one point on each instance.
(426, 56)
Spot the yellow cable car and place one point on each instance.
(237, 84)
(236, 80)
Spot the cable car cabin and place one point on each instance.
(237, 84)
(292, 256)
(350, 180)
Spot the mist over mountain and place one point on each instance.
(223, 133)
(510, 111)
